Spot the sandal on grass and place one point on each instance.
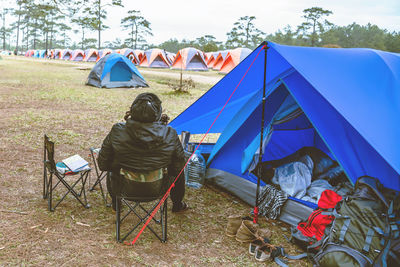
(184, 207)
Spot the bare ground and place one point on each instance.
(38, 97)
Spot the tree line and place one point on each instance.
(48, 24)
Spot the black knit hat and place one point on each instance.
(146, 108)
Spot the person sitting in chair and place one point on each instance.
(143, 149)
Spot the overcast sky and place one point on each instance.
(189, 19)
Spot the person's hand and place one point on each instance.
(127, 115)
(164, 119)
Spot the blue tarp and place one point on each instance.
(349, 102)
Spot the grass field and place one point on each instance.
(38, 97)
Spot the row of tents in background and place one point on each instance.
(187, 59)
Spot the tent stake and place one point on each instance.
(259, 171)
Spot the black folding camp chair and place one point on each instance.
(100, 175)
(141, 199)
(50, 170)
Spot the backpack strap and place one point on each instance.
(391, 232)
(395, 230)
(394, 257)
(385, 253)
(344, 229)
(334, 213)
(280, 251)
(368, 239)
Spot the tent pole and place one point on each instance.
(259, 171)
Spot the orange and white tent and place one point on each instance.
(91, 55)
(171, 57)
(66, 54)
(211, 56)
(220, 59)
(155, 58)
(130, 54)
(30, 53)
(207, 55)
(78, 55)
(233, 58)
(104, 52)
(58, 54)
(139, 54)
(190, 59)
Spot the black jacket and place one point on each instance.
(138, 146)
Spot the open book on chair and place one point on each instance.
(76, 163)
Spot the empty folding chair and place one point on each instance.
(141, 199)
(60, 173)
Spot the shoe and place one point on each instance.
(255, 245)
(234, 223)
(183, 207)
(263, 252)
(247, 232)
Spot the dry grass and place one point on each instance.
(38, 97)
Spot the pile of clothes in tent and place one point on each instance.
(303, 175)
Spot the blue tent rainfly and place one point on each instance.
(115, 70)
(345, 102)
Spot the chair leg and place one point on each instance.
(98, 181)
(117, 218)
(102, 191)
(162, 221)
(165, 221)
(50, 192)
(84, 179)
(44, 172)
(70, 188)
(44, 182)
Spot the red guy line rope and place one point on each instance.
(173, 184)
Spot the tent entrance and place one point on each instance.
(120, 72)
(159, 62)
(289, 134)
(196, 63)
(287, 131)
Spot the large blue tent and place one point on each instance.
(344, 101)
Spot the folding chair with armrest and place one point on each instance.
(50, 170)
(141, 199)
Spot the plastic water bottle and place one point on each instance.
(195, 170)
